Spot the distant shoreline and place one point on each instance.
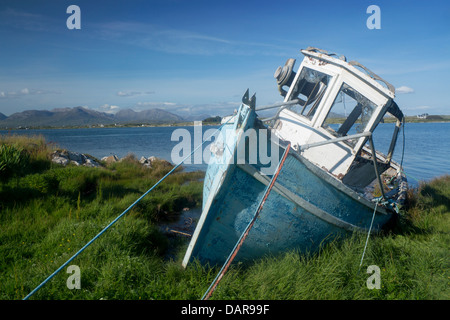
(409, 119)
(182, 124)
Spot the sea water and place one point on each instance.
(423, 148)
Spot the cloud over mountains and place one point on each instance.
(25, 92)
(133, 93)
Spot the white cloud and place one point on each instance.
(24, 92)
(26, 20)
(133, 93)
(181, 41)
(156, 104)
(185, 110)
(126, 94)
(404, 89)
(109, 108)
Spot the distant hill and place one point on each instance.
(216, 119)
(80, 116)
(151, 115)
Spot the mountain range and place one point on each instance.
(80, 116)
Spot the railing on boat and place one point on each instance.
(282, 105)
(351, 137)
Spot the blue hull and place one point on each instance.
(306, 207)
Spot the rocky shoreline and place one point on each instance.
(65, 157)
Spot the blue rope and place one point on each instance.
(120, 216)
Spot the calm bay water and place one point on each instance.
(101, 142)
(427, 150)
(426, 154)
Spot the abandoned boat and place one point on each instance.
(331, 182)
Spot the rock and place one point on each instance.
(150, 161)
(60, 160)
(91, 162)
(64, 157)
(146, 162)
(143, 160)
(76, 157)
(129, 157)
(111, 159)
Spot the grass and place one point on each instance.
(49, 212)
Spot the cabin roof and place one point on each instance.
(368, 76)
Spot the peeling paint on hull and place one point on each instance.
(290, 217)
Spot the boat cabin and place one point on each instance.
(332, 108)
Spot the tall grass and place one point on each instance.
(50, 212)
(21, 155)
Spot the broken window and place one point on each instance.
(310, 89)
(349, 113)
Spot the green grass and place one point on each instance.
(49, 212)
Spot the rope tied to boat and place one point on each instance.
(370, 230)
(122, 214)
(246, 231)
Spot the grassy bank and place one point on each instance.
(49, 212)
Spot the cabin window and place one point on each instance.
(310, 88)
(349, 113)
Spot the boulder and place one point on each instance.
(60, 158)
(110, 159)
(150, 161)
(76, 157)
(146, 162)
(64, 157)
(91, 162)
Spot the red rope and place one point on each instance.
(245, 234)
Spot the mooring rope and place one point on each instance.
(410, 176)
(122, 214)
(368, 233)
(244, 234)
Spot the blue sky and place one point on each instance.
(200, 56)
